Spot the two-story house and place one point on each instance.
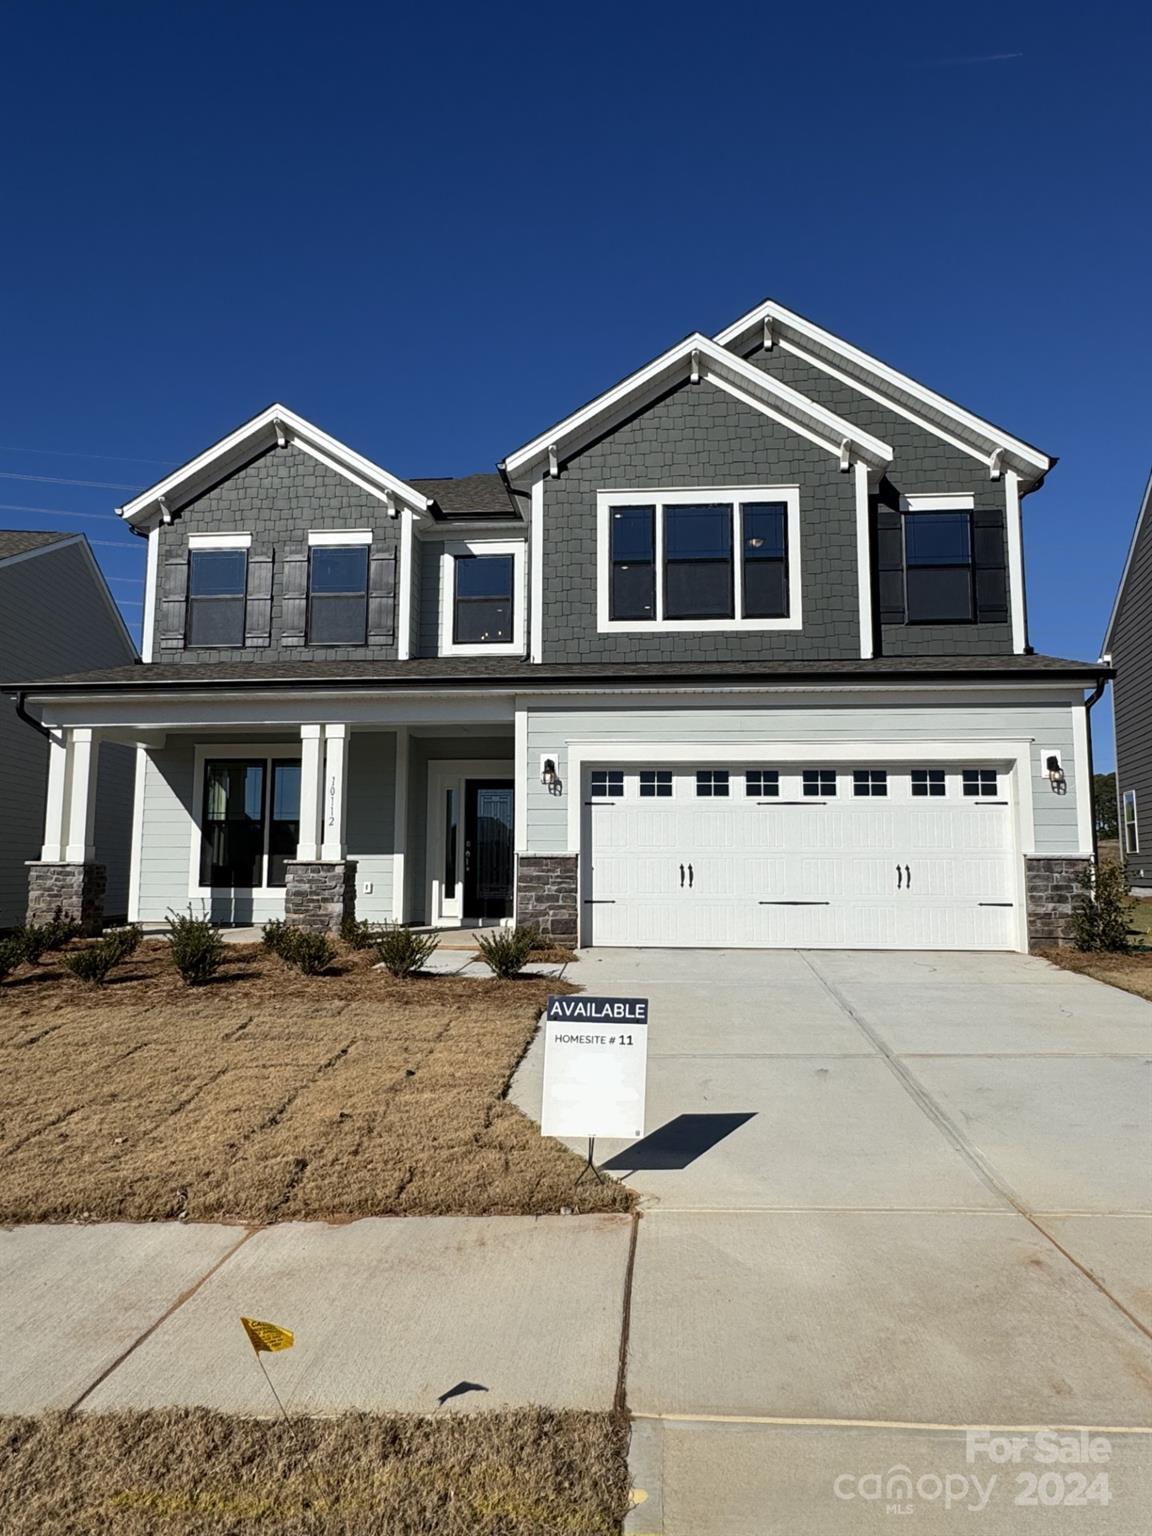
(1128, 647)
(735, 654)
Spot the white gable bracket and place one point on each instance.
(553, 461)
(996, 465)
(845, 455)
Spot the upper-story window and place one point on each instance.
(698, 560)
(938, 567)
(482, 598)
(337, 592)
(217, 589)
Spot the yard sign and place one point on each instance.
(595, 1066)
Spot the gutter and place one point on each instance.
(22, 714)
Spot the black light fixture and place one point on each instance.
(1055, 774)
(548, 772)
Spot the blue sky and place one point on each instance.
(433, 232)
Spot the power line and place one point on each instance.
(70, 453)
(102, 517)
(99, 485)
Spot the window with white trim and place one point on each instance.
(482, 598)
(250, 822)
(978, 782)
(606, 781)
(1131, 825)
(726, 558)
(712, 783)
(761, 781)
(870, 781)
(655, 783)
(819, 781)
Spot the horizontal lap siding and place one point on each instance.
(1049, 725)
(1132, 697)
(372, 819)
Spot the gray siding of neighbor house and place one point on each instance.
(54, 619)
(1049, 724)
(923, 463)
(171, 799)
(701, 436)
(1131, 646)
(278, 499)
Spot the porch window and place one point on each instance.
(217, 584)
(338, 594)
(251, 822)
(1131, 825)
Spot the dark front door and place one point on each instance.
(488, 852)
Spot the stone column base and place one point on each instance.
(77, 890)
(1052, 885)
(548, 895)
(320, 895)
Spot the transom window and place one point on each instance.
(607, 781)
(655, 783)
(928, 781)
(217, 585)
(761, 781)
(938, 567)
(820, 781)
(870, 781)
(251, 822)
(338, 594)
(712, 783)
(979, 781)
(699, 559)
(1131, 825)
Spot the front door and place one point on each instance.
(488, 849)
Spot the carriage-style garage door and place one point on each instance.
(879, 857)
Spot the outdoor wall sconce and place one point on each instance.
(548, 775)
(1055, 774)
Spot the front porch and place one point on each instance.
(404, 821)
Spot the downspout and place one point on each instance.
(22, 714)
(1093, 698)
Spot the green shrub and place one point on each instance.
(306, 950)
(506, 951)
(197, 949)
(402, 951)
(358, 932)
(1102, 916)
(11, 954)
(60, 930)
(274, 935)
(92, 963)
(124, 941)
(34, 939)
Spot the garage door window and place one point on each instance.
(712, 783)
(820, 781)
(928, 781)
(870, 781)
(979, 781)
(655, 783)
(761, 781)
(607, 782)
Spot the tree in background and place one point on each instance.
(1104, 794)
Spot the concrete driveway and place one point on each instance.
(886, 1196)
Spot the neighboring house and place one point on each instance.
(1128, 647)
(56, 614)
(736, 654)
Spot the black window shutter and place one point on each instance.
(890, 564)
(258, 607)
(990, 566)
(173, 601)
(294, 595)
(382, 597)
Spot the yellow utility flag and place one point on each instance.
(266, 1335)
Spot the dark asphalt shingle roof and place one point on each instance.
(18, 541)
(475, 495)
(446, 671)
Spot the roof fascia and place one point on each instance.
(700, 358)
(1032, 462)
(1140, 516)
(275, 425)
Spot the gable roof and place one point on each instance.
(700, 359)
(19, 541)
(770, 323)
(1140, 520)
(274, 426)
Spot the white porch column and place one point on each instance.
(334, 844)
(311, 793)
(83, 755)
(400, 824)
(52, 851)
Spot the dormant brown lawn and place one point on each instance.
(271, 1096)
(527, 1472)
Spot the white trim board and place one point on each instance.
(455, 772)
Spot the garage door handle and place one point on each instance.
(681, 877)
(899, 878)
(689, 877)
(907, 877)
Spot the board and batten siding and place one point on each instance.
(165, 851)
(1048, 725)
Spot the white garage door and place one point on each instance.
(898, 857)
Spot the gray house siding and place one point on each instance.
(54, 619)
(700, 436)
(1131, 649)
(278, 499)
(923, 463)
